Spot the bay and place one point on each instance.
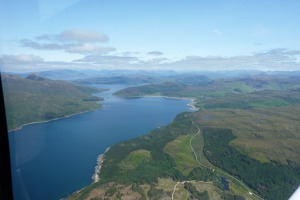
(53, 159)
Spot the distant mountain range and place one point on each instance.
(69, 74)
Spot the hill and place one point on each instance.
(35, 99)
(142, 78)
(242, 93)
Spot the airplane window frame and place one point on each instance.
(6, 191)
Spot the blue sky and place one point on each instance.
(142, 34)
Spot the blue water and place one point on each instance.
(51, 160)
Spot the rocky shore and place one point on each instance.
(100, 160)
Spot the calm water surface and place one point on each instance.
(51, 160)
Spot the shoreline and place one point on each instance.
(100, 160)
(50, 120)
(95, 176)
(191, 104)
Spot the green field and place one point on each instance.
(181, 152)
(135, 159)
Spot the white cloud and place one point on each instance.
(70, 41)
(156, 61)
(20, 59)
(275, 59)
(109, 60)
(22, 62)
(42, 46)
(76, 36)
(155, 53)
(88, 48)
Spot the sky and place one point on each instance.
(203, 35)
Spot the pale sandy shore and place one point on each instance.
(100, 160)
(191, 104)
(45, 121)
(95, 176)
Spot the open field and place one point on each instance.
(181, 152)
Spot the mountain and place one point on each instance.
(35, 99)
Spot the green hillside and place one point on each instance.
(35, 99)
(223, 92)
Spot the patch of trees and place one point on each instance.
(155, 193)
(228, 196)
(202, 174)
(166, 88)
(194, 193)
(272, 180)
(139, 190)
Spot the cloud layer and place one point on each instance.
(70, 41)
(276, 59)
(20, 59)
(89, 45)
(76, 35)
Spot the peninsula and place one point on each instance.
(36, 99)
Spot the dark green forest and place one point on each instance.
(271, 180)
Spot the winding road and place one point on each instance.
(211, 168)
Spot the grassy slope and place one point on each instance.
(180, 150)
(37, 99)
